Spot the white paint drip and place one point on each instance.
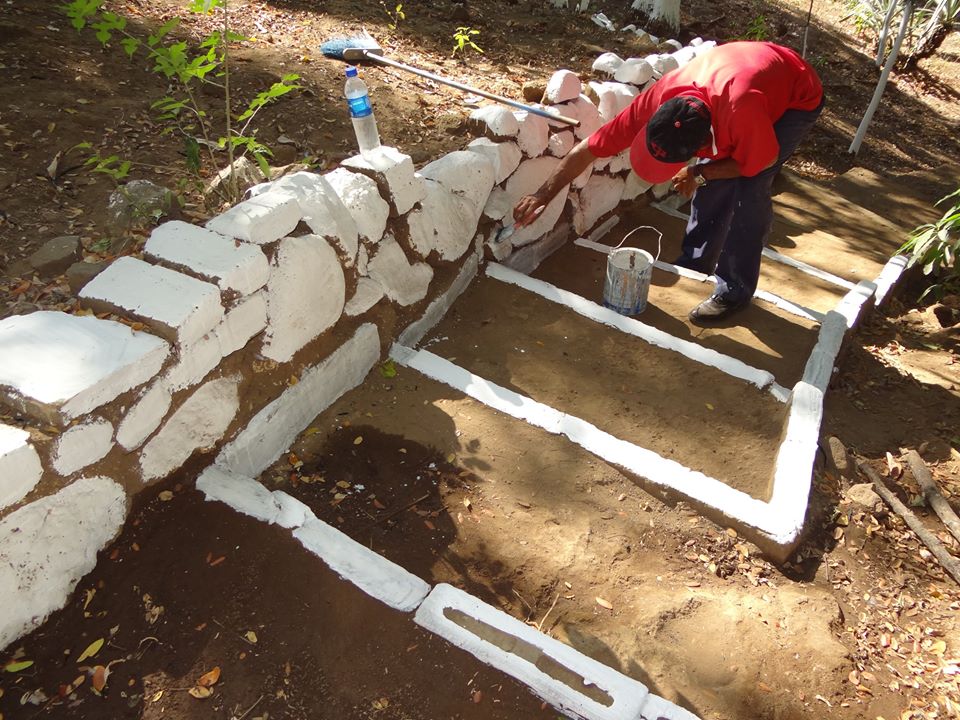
(698, 353)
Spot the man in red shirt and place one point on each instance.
(741, 110)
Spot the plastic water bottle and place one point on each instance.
(364, 123)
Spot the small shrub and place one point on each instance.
(934, 246)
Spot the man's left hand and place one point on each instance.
(684, 182)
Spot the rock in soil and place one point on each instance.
(79, 274)
(863, 494)
(56, 255)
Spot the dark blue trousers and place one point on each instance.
(731, 219)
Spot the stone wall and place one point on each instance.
(225, 341)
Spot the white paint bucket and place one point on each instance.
(628, 280)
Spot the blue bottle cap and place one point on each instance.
(351, 71)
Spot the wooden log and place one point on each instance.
(932, 494)
(950, 563)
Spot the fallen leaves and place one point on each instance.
(604, 603)
(15, 667)
(92, 649)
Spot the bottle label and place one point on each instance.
(360, 106)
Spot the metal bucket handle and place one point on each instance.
(643, 227)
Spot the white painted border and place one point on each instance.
(772, 254)
(399, 589)
(889, 276)
(698, 353)
(372, 573)
(628, 696)
(434, 313)
(782, 303)
(774, 522)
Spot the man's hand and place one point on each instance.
(527, 210)
(685, 182)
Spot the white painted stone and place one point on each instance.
(261, 219)
(697, 41)
(374, 574)
(675, 44)
(20, 468)
(619, 163)
(586, 112)
(403, 283)
(886, 280)
(197, 359)
(527, 179)
(534, 133)
(48, 545)
(415, 332)
(684, 55)
(305, 295)
(635, 71)
(668, 64)
(277, 425)
(515, 648)
(322, 210)
(363, 259)
(505, 156)
(444, 223)
(194, 361)
(607, 63)
(362, 198)
(394, 174)
(71, 365)
(249, 497)
(705, 46)
(240, 267)
(241, 323)
(560, 143)
(581, 180)
(199, 423)
(467, 175)
(634, 187)
(661, 190)
(656, 62)
(144, 417)
(181, 308)
(498, 120)
(612, 98)
(562, 86)
(600, 195)
(369, 293)
(81, 445)
(243, 494)
(543, 224)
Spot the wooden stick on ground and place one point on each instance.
(950, 563)
(939, 504)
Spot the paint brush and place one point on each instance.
(507, 230)
(363, 48)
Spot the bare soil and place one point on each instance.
(860, 624)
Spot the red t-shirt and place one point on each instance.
(747, 86)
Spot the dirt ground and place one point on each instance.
(860, 624)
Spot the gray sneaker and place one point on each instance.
(713, 310)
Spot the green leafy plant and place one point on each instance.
(187, 70)
(934, 246)
(396, 15)
(757, 29)
(463, 41)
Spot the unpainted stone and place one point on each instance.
(533, 90)
(56, 255)
(79, 274)
(863, 494)
(838, 458)
(136, 204)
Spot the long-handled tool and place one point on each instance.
(363, 48)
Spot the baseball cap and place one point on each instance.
(672, 136)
